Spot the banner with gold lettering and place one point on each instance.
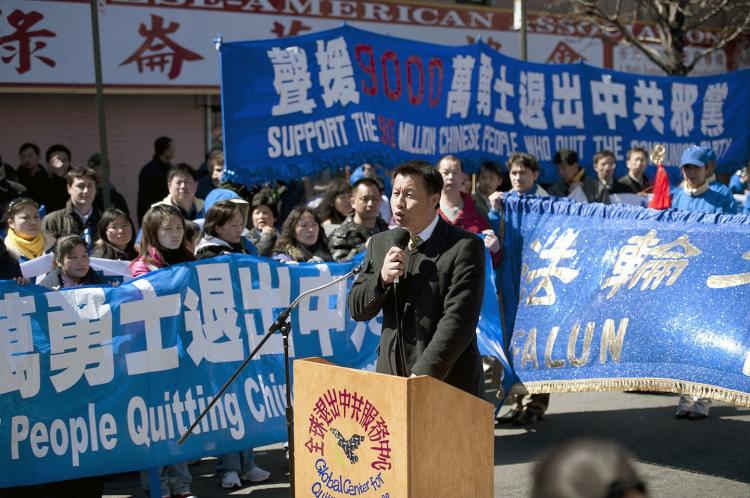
(624, 298)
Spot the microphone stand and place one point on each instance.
(283, 325)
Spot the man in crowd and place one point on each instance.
(490, 181)
(9, 189)
(524, 171)
(457, 207)
(634, 182)
(573, 180)
(152, 180)
(182, 185)
(695, 192)
(350, 238)
(604, 165)
(115, 198)
(58, 164)
(31, 174)
(78, 217)
(430, 315)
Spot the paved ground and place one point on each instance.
(676, 457)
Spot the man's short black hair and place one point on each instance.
(181, 169)
(57, 148)
(566, 156)
(161, 144)
(491, 167)
(433, 180)
(367, 181)
(28, 145)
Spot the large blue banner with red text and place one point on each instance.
(346, 96)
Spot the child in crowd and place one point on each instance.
(115, 237)
(302, 238)
(163, 243)
(25, 239)
(72, 267)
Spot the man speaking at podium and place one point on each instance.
(430, 290)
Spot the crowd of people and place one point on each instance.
(185, 213)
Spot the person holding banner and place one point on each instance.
(163, 243)
(430, 292)
(695, 193)
(573, 181)
(457, 207)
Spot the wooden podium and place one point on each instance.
(365, 434)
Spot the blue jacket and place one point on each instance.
(713, 200)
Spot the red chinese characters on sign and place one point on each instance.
(334, 405)
(295, 27)
(158, 51)
(18, 43)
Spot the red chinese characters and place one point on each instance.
(335, 405)
(19, 43)
(158, 51)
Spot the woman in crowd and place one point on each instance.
(263, 235)
(222, 229)
(302, 238)
(72, 267)
(115, 237)
(336, 204)
(163, 243)
(222, 234)
(25, 239)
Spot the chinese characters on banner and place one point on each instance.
(346, 96)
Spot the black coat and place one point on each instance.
(53, 279)
(9, 267)
(442, 298)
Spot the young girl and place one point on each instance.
(222, 230)
(25, 239)
(71, 265)
(163, 242)
(115, 237)
(302, 239)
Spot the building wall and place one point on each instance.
(133, 123)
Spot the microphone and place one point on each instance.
(401, 238)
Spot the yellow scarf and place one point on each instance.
(29, 249)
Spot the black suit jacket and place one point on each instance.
(441, 298)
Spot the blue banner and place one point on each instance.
(624, 298)
(296, 105)
(103, 379)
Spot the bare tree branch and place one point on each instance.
(707, 17)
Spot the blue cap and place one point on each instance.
(216, 195)
(694, 155)
(709, 155)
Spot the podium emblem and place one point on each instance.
(348, 445)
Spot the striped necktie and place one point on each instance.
(414, 242)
